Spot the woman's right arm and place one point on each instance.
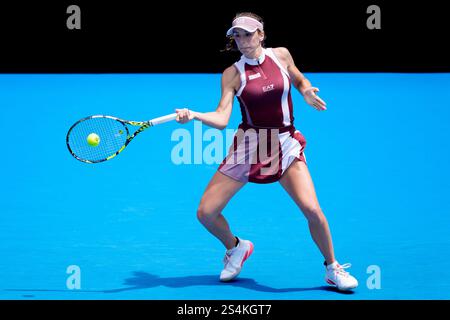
(219, 118)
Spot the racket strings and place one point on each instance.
(112, 133)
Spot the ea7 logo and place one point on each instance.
(270, 87)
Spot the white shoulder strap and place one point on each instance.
(240, 65)
(271, 54)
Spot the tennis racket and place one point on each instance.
(100, 138)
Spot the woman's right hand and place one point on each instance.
(184, 115)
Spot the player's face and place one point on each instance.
(247, 42)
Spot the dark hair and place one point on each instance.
(231, 44)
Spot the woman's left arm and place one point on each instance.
(300, 82)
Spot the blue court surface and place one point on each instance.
(127, 228)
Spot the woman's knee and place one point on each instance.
(315, 215)
(205, 213)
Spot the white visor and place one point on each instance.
(246, 23)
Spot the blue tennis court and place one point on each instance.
(378, 157)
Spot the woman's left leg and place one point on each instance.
(297, 181)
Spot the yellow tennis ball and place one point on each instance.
(93, 140)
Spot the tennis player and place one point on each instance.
(262, 80)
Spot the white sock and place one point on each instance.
(333, 265)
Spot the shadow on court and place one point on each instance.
(143, 280)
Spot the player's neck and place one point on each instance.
(255, 55)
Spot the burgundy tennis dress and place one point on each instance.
(266, 142)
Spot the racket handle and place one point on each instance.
(163, 119)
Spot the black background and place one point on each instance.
(167, 36)
(281, 309)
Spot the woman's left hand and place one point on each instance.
(313, 99)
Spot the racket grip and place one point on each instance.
(163, 119)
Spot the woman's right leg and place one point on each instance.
(218, 193)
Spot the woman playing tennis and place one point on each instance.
(267, 147)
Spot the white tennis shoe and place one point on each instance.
(234, 259)
(338, 277)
